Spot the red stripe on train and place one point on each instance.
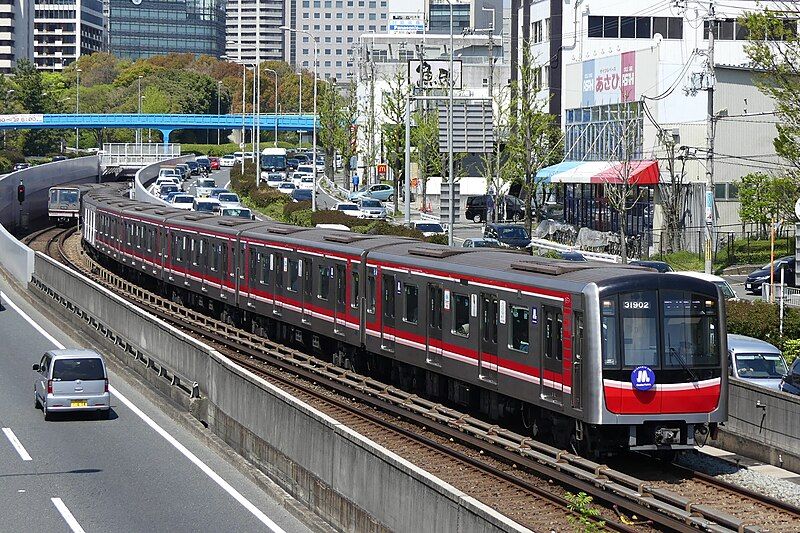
(632, 402)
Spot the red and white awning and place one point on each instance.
(638, 172)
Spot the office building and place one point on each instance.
(66, 29)
(16, 24)
(467, 15)
(240, 30)
(145, 28)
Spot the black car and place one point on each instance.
(204, 163)
(194, 168)
(508, 234)
(58, 158)
(572, 256)
(791, 382)
(292, 163)
(476, 208)
(301, 195)
(757, 278)
(661, 266)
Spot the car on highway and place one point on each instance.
(58, 158)
(305, 168)
(71, 380)
(216, 191)
(661, 266)
(759, 277)
(205, 205)
(165, 172)
(292, 163)
(227, 160)
(184, 170)
(21, 166)
(214, 163)
(480, 242)
(509, 235)
(228, 199)
(193, 167)
(203, 162)
(182, 201)
(168, 198)
(378, 191)
(237, 212)
(274, 179)
(372, 209)
(306, 182)
(727, 291)
(302, 159)
(167, 189)
(476, 208)
(791, 383)
(348, 208)
(203, 186)
(286, 187)
(301, 195)
(428, 229)
(756, 361)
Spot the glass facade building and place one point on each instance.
(145, 28)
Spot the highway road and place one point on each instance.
(139, 471)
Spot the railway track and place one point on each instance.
(653, 505)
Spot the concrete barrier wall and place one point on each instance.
(763, 424)
(15, 257)
(147, 174)
(345, 478)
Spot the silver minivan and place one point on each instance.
(72, 380)
(756, 361)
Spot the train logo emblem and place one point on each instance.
(643, 378)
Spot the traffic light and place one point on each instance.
(21, 192)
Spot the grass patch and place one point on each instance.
(737, 252)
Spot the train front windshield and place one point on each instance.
(667, 329)
(68, 197)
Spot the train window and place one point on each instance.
(577, 340)
(215, 251)
(559, 347)
(460, 315)
(223, 265)
(609, 340)
(294, 276)
(411, 304)
(518, 328)
(324, 285)
(388, 296)
(53, 196)
(355, 290)
(341, 285)
(263, 260)
(489, 318)
(639, 312)
(371, 294)
(435, 302)
(690, 330)
(307, 278)
(278, 270)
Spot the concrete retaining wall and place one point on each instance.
(763, 424)
(147, 174)
(347, 479)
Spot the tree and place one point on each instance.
(774, 50)
(30, 92)
(764, 198)
(393, 107)
(673, 193)
(425, 138)
(329, 110)
(346, 142)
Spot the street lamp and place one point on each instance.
(314, 135)
(219, 93)
(451, 219)
(8, 96)
(300, 107)
(77, 106)
(139, 102)
(275, 143)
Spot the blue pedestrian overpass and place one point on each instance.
(165, 123)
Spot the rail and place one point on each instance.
(787, 295)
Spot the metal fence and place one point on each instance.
(739, 247)
(137, 154)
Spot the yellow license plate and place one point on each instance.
(79, 403)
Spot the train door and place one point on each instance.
(277, 262)
(387, 312)
(305, 297)
(489, 314)
(240, 268)
(577, 365)
(434, 327)
(551, 361)
(339, 301)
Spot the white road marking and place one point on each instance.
(263, 518)
(67, 515)
(17, 444)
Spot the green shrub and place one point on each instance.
(791, 349)
(274, 211)
(384, 228)
(300, 217)
(243, 183)
(291, 207)
(5, 165)
(330, 216)
(437, 239)
(762, 320)
(266, 196)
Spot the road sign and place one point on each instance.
(444, 202)
(473, 129)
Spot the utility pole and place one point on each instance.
(711, 126)
(371, 125)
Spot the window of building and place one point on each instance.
(613, 27)
(460, 315)
(518, 328)
(411, 304)
(537, 31)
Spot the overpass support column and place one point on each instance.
(165, 134)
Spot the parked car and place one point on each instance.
(371, 208)
(661, 266)
(228, 199)
(71, 380)
(203, 162)
(182, 201)
(194, 167)
(476, 208)
(508, 234)
(227, 160)
(214, 163)
(21, 166)
(757, 278)
(349, 209)
(286, 187)
(791, 383)
(479, 242)
(428, 229)
(301, 195)
(756, 361)
(203, 187)
(572, 256)
(378, 191)
(237, 212)
(724, 286)
(205, 205)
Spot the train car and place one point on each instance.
(63, 204)
(596, 357)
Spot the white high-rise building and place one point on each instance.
(16, 33)
(66, 29)
(240, 30)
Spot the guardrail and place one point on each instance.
(558, 247)
(788, 295)
(149, 173)
(133, 154)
